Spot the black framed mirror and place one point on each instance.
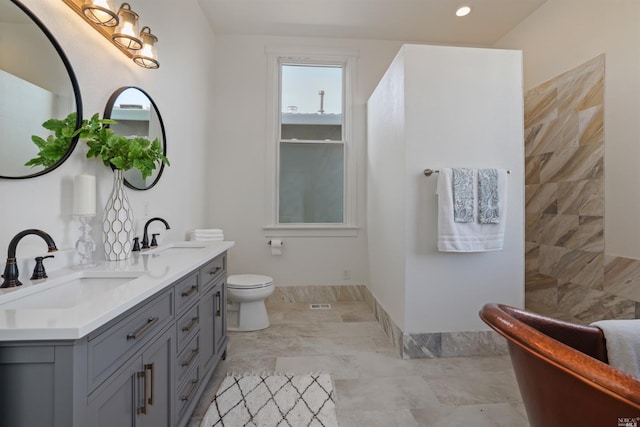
(37, 84)
(137, 115)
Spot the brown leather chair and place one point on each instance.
(562, 371)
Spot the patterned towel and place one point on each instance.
(488, 199)
(463, 195)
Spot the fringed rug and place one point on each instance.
(273, 400)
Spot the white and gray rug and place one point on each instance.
(273, 400)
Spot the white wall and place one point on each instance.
(181, 88)
(462, 108)
(386, 192)
(563, 34)
(238, 168)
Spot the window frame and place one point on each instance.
(347, 60)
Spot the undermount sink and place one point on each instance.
(67, 291)
(175, 247)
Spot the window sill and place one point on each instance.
(311, 230)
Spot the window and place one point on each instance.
(310, 165)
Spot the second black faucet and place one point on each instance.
(145, 236)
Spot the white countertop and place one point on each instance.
(26, 311)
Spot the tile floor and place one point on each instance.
(373, 386)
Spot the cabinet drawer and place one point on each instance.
(188, 326)
(110, 348)
(188, 358)
(187, 392)
(212, 270)
(187, 291)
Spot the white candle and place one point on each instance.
(84, 195)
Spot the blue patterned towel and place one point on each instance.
(463, 195)
(488, 200)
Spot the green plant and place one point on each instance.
(119, 151)
(55, 146)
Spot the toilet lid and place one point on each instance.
(249, 281)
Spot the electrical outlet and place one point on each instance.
(346, 274)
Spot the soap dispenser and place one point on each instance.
(39, 271)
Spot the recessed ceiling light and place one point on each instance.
(463, 11)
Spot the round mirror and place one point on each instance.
(137, 115)
(37, 85)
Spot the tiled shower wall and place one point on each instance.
(568, 274)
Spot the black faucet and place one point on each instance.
(11, 268)
(145, 236)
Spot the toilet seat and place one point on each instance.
(249, 281)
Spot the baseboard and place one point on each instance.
(437, 344)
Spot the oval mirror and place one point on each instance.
(137, 115)
(37, 84)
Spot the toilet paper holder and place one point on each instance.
(269, 243)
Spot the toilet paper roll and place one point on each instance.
(276, 247)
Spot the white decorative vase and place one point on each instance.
(118, 222)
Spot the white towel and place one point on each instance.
(623, 344)
(473, 236)
(208, 239)
(207, 235)
(208, 231)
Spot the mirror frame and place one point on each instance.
(107, 115)
(74, 85)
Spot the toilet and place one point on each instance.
(246, 293)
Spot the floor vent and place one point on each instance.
(323, 306)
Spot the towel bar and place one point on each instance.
(429, 172)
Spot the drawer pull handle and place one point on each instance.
(218, 304)
(194, 321)
(150, 368)
(214, 271)
(194, 354)
(143, 374)
(140, 332)
(194, 385)
(190, 292)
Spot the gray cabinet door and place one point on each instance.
(157, 362)
(207, 337)
(140, 392)
(115, 402)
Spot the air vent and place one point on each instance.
(323, 306)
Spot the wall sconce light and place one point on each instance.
(121, 28)
(126, 32)
(101, 12)
(147, 57)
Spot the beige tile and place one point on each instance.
(541, 198)
(582, 87)
(553, 136)
(494, 415)
(476, 387)
(340, 366)
(591, 125)
(392, 418)
(540, 104)
(386, 394)
(574, 164)
(585, 197)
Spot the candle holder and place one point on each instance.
(85, 246)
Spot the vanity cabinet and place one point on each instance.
(139, 394)
(146, 367)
